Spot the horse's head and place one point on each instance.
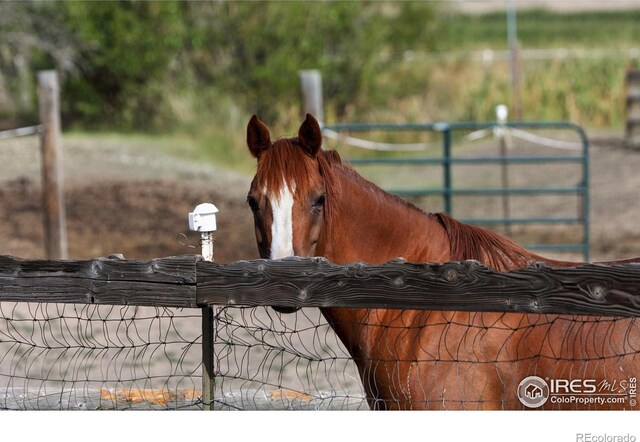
(288, 193)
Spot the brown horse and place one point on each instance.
(306, 202)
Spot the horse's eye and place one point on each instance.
(253, 204)
(320, 201)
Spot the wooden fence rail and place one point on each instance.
(188, 281)
(164, 282)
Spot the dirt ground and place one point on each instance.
(121, 199)
(131, 200)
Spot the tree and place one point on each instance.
(255, 49)
(34, 36)
(121, 56)
(127, 49)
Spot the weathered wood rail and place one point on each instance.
(165, 282)
(188, 281)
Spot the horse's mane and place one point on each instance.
(490, 248)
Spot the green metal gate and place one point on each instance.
(572, 155)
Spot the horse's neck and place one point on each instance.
(369, 225)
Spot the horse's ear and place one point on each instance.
(258, 138)
(310, 135)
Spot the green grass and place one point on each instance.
(222, 147)
(589, 92)
(225, 146)
(541, 29)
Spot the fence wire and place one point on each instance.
(441, 360)
(76, 356)
(70, 356)
(266, 360)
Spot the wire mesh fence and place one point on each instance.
(81, 356)
(74, 357)
(266, 360)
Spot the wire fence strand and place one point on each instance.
(71, 356)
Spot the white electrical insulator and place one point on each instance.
(203, 220)
(502, 113)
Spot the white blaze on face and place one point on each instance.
(282, 225)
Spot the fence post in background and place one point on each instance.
(203, 220)
(55, 228)
(311, 88)
(502, 114)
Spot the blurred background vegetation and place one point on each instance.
(202, 68)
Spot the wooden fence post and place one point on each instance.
(311, 88)
(55, 229)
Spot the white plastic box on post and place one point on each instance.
(203, 220)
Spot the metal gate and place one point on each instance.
(449, 146)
